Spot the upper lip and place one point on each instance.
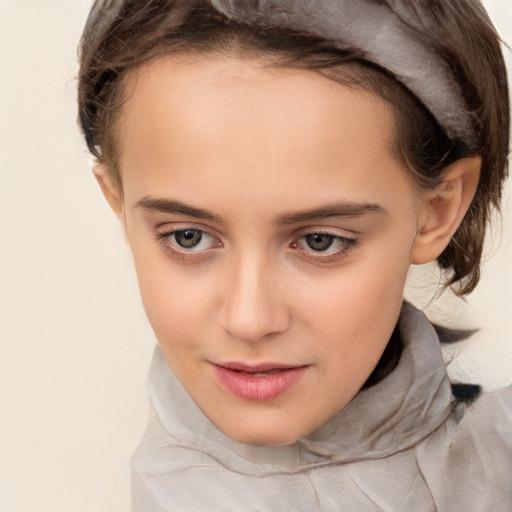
(254, 368)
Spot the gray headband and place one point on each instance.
(385, 40)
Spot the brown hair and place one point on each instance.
(122, 34)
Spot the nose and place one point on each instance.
(253, 307)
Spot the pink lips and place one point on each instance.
(259, 382)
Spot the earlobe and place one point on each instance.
(444, 209)
(111, 191)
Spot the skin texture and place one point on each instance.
(254, 147)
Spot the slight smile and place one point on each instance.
(258, 382)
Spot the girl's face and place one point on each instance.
(272, 226)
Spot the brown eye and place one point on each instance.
(319, 241)
(188, 238)
(324, 246)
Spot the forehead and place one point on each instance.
(214, 92)
(200, 115)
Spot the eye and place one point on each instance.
(187, 240)
(323, 244)
(319, 241)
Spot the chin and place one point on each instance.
(263, 435)
(263, 439)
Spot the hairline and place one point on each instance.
(345, 74)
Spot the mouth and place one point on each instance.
(258, 382)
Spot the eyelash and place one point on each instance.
(167, 239)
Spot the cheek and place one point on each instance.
(177, 299)
(359, 294)
(355, 311)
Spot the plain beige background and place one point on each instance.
(74, 342)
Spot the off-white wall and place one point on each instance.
(74, 342)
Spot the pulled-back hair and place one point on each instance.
(120, 35)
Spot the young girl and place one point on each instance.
(278, 165)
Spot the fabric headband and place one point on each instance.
(384, 38)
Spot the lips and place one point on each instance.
(258, 382)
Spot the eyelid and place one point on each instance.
(330, 231)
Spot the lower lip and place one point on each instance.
(262, 387)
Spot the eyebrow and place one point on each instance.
(171, 206)
(339, 209)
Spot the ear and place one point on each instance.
(111, 191)
(444, 208)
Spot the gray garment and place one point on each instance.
(401, 445)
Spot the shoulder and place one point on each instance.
(490, 414)
(168, 475)
(481, 436)
(467, 463)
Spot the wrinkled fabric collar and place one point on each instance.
(395, 414)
